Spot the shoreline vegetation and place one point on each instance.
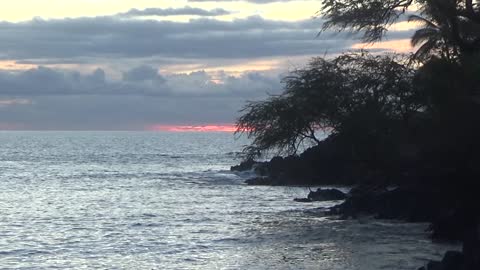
(409, 121)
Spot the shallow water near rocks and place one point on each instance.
(140, 200)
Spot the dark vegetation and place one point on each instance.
(406, 120)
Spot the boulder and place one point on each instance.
(453, 260)
(455, 224)
(326, 195)
(471, 248)
(302, 200)
(411, 204)
(361, 200)
(434, 265)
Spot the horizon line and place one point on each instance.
(149, 128)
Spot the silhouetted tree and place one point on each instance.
(448, 24)
(434, 38)
(355, 93)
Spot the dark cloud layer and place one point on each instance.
(110, 37)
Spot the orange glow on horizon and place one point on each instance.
(193, 128)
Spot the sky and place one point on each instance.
(153, 64)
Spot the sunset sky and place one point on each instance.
(153, 64)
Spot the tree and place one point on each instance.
(450, 24)
(434, 38)
(276, 123)
(355, 93)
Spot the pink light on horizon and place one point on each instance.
(194, 128)
(11, 126)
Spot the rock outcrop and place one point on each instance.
(411, 204)
(326, 195)
(321, 195)
(246, 165)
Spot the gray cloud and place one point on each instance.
(187, 10)
(45, 98)
(138, 81)
(111, 38)
(142, 73)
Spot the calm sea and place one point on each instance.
(140, 200)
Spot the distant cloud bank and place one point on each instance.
(127, 72)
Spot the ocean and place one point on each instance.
(165, 200)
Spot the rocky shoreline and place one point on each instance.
(452, 218)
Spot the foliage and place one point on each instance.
(449, 27)
(274, 123)
(352, 93)
(369, 100)
(369, 16)
(451, 87)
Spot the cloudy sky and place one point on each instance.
(145, 64)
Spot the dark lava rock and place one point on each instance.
(246, 165)
(453, 260)
(326, 195)
(302, 200)
(411, 204)
(324, 164)
(471, 248)
(432, 265)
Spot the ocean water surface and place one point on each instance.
(160, 200)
